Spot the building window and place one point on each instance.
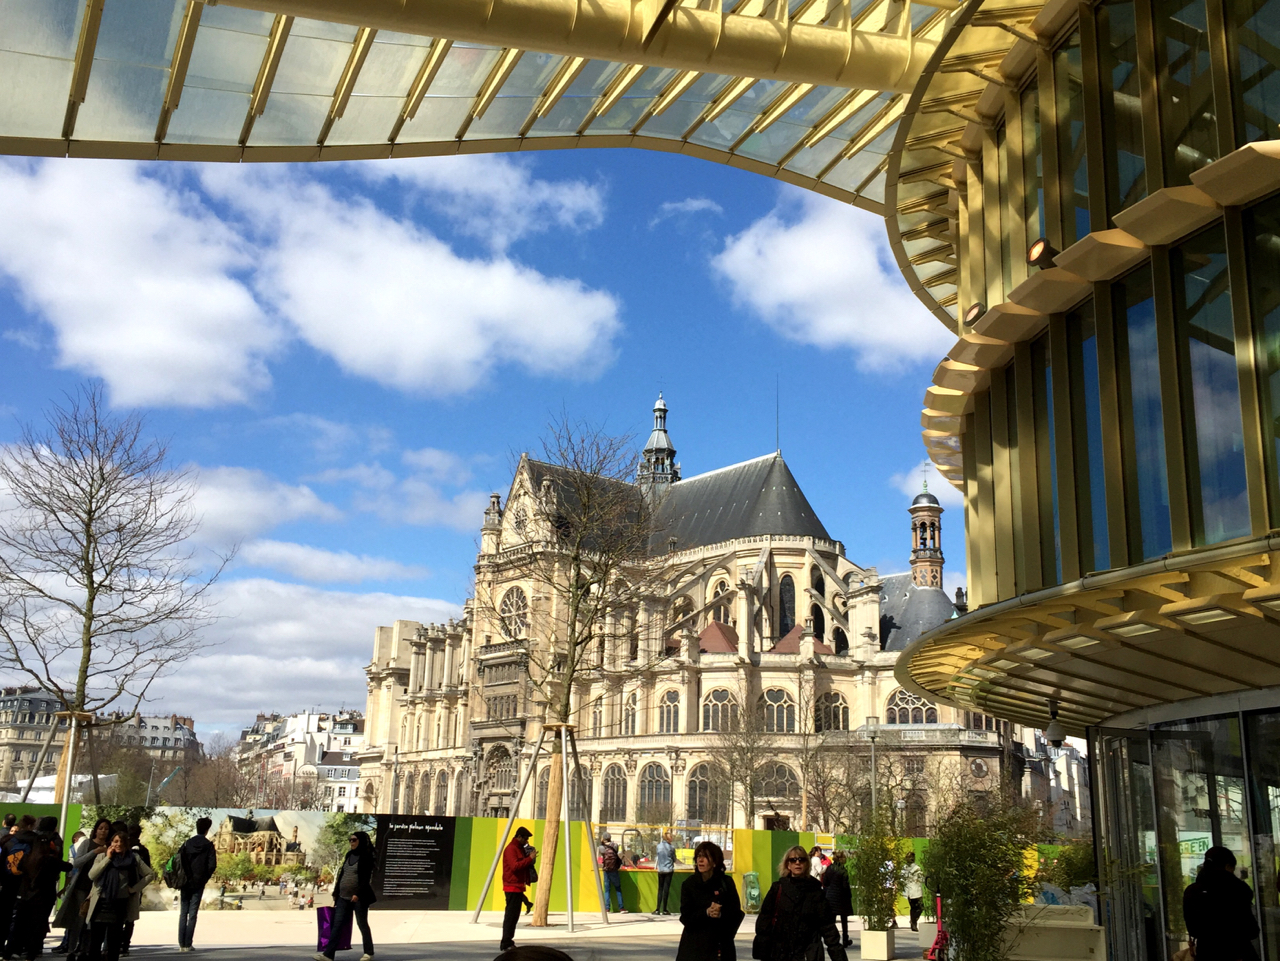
(907, 708)
(1251, 33)
(442, 794)
(1032, 162)
(341, 807)
(779, 709)
(1046, 462)
(1121, 124)
(1073, 168)
(654, 800)
(786, 605)
(1184, 82)
(719, 711)
(513, 613)
(777, 780)
(1207, 349)
(840, 640)
(1091, 494)
(1139, 367)
(613, 802)
(629, 716)
(544, 787)
(597, 719)
(1262, 224)
(410, 786)
(342, 792)
(721, 611)
(817, 581)
(706, 790)
(502, 769)
(669, 713)
(831, 713)
(819, 623)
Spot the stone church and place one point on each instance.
(760, 610)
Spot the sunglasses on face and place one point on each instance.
(797, 860)
(354, 840)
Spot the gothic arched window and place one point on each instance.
(706, 800)
(410, 785)
(817, 581)
(669, 713)
(786, 605)
(424, 793)
(613, 806)
(832, 713)
(777, 780)
(629, 716)
(654, 796)
(907, 708)
(442, 794)
(819, 622)
(544, 786)
(502, 769)
(597, 719)
(513, 613)
(719, 711)
(779, 710)
(721, 611)
(841, 640)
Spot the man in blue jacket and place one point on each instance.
(666, 864)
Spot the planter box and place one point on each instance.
(877, 946)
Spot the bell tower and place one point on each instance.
(658, 467)
(926, 540)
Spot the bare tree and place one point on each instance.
(742, 746)
(589, 562)
(98, 597)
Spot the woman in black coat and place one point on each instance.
(835, 881)
(1218, 909)
(709, 909)
(795, 918)
(352, 894)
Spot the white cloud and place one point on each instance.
(439, 465)
(820, 272)
(494, 198)
(328, 438)
(139, 281)
(325, 567)
(393, 303)
(910, 482)
(415, 500)
(235, 503)
(690, 205)
(285, 647)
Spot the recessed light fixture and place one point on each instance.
(1034, 653)
(980, 672)
(974, 313)
(1133, 629)
(1210, 616)
(1002, 665)
(1079, 642)
(1041, 253)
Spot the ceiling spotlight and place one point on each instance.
(974, 313)
(1041, 254)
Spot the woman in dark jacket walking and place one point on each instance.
(835, 882)
(1218, 909)
(709, 909)
(796, 918)
(352, 894)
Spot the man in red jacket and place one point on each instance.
(515, 875)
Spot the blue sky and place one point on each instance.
(352, 356)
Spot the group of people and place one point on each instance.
(834, 875)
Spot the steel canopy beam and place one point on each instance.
(690, 39)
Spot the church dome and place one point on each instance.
(925, 499)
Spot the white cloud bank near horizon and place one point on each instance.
(188, 282)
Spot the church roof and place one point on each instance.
(791, 644)
(759, 496)
(907, 611)
(717, 638)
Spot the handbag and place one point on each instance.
(324, 921)
(1188, 953)
(762, 943)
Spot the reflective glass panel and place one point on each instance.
(1073, 170)
(1006, 242)
(1262, 734)
(1046, 462)
(1189, 127)
(1254, 30)
(1200, 803)
(1144, 419)
(1032, 164)
(1091, 495)
(1262, 227)
(1121, 105)
(1206, 339)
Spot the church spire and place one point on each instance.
(658, 468)
(926, 540)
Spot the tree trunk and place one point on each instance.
(93, 766)
(59, 784)
(550, 838)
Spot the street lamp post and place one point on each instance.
(873, 732)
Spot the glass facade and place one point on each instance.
(1167, 793)
(1073, 166)
(1121, 104)
(1032, 164)
(1086, 419)
(1188, 114)
(1046, 459)
(1262, 226)
(1253, 45)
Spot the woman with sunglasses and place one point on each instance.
(709, 909)
(796, 918)
(352, 894)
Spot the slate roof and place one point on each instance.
(791, 643)
(907, 611)
(759, 496)
(717, 638)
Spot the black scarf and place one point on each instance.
(117, 878)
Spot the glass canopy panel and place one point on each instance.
(504, 118)
(850, 174)
(439, 118)
(772, 145)
(37, 53)
(464, 69)
(811, 161)
(567, 115)
(674, 121)
(390, 69)
(291, 119)
(225, 60)
(725, 130)
(130, 70)
(875, 191)
(531, 75)
(366, 120)
(310, 64)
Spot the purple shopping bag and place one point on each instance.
(324, 921)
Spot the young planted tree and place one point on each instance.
(98, 595)
(588, 561)
(875, 871)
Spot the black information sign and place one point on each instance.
(415, 862)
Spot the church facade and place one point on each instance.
(762, 640)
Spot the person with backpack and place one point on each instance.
(118, 877)
(188, 871)
(517, 861)
(1218, 910)
(38, 890)
(19, 851)
(611, 865)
